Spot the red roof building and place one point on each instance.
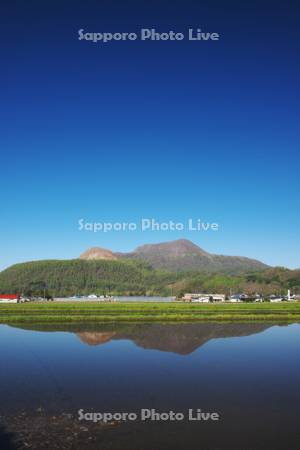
(9, 296)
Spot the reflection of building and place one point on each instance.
(9, 298)
(204, 298)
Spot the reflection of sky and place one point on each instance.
(57, 370)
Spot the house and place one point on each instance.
(218, 297)
(204, 298)
(275, 299)
(238, 298)
(289, 296)
(9, 298)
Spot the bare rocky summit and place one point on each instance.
(96, 253)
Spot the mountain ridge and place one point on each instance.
(184, 255)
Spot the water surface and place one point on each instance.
(248, 373)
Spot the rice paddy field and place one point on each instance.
(52, 312)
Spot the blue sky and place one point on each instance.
(169, 130)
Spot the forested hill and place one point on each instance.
(129, 277)
(79, 277)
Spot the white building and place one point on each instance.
(204, 298)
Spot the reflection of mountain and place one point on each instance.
(178, 338)
(91, 338)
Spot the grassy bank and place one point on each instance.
(137, 312)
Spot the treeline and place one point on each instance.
(271, 281)
(129, 277)
(79, 277)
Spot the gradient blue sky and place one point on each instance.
(169, 130)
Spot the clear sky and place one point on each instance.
(170, 130)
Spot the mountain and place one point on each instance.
(184, 255)
(123, 276)
(172, 249)
(168, 268)
(96, 253)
